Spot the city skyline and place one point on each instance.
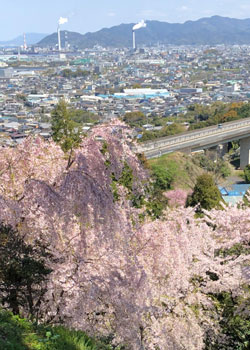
(18, 17)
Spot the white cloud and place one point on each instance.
(111, 14)
(184, 8)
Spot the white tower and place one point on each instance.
(137, 26)
(24, 42)
(134, 44)
(59, 38)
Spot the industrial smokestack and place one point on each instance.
(61, 21)
(134, 45)
(137, 26)
(24, 42)
(59, 38)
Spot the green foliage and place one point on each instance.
(216, 113)
(61, 338)
(224, 169)
(199, 116)
(148, 135)
(163, 177)
(219, 168)
(19, 334)
(196, 309)
(65, 131)
(135, 119)
(235, 251)
(105, 152)
(212, 275)
(68, 73)
(104, 148)
(156, 204)
(143, 160)
(181, 168)
(246, 198)
(164, 171)
(138, 200)
(196, 280)
(23, 272)
(153, 199)
(80, 116)
(126, 178)
(234, 323)
(107, 163)
(247, 174)
(206, 194)
(172, 129)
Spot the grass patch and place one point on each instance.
(20, 334)
(180, 168)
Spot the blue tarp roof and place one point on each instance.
(233, 200)
(235, 193)
(241, 187)
(223, 191)
(235, 190)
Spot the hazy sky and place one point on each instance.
(18, 16)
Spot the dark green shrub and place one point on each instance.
(206, 194)
(23, 272)
(247, 174)
(163, 177)
(233, 321)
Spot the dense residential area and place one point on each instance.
(159, 82)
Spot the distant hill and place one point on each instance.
(212, 30)
(31, 39)
(74, 39)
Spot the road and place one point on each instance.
(197, 139)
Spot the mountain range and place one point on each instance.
(31, 39)
(213, 30)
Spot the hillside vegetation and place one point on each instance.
(182, 170)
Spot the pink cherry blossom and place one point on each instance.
(112, 273)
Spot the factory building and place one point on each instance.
(6, 73)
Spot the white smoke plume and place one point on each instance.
(62, 20)
(139, 25)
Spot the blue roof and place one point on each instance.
(235, 193)
(241, 187)
(233, 200)
(223, 191)
(235, 190)
(141, 96)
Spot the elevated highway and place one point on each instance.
(201, 139)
